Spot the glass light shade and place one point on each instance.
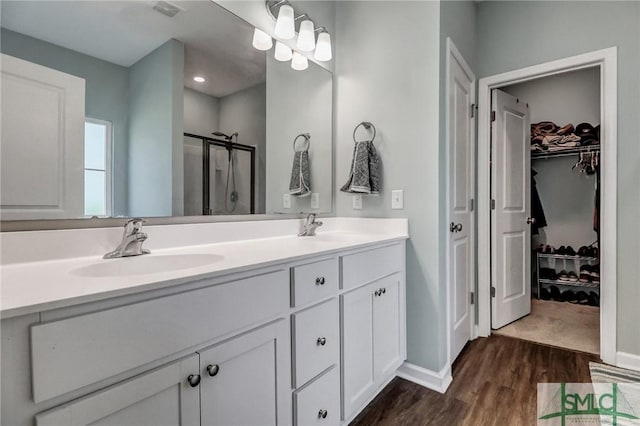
(283, 52)
(285, 26)
(299, 62)
(323, 48)
(261, 40)
(307, 37)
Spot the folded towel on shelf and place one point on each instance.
(364, 175)
(300, 183)
(561, 140)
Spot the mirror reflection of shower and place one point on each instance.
(230, 197)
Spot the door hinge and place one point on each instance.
(493, 116)
(473, 298)
(493, 204)
(471, 206)
(473, 110)
(493, 291)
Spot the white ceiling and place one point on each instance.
(217, 43)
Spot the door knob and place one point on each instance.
(455, 227)
(531, 220)
(320, 281)
(321, 341)
(213, 369)
(194, 380)
(322, 414)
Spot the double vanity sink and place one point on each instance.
(304, 330)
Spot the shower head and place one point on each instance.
(224, 135)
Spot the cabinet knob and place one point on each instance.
(213, 369)
(321, 341)
(322, 414)
(194, 380)
(320, 281)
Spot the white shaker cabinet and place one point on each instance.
(372, 339)
(245, 380)
(163, 397)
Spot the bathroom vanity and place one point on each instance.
(273, 329)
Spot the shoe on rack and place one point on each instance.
(562, 250)
(569, 251)
(572, 277)
(545, 294)
(594, 298)
(584, 251)
(585, 274)
(569, 296)
(548, 274)
(563, 276)
(555, 293)
(593, 252)
(540, 248)
(595, 273)
(582, 298)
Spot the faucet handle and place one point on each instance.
(133, 225)
(136, 220)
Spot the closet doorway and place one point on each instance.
(544, 277)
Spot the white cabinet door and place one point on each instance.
(42, 164)
(357, 348)
(387, 339)
(246, 380)
(160, 397)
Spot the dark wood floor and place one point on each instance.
(494, 383)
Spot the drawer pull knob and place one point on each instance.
(322, 414)
(213, 369)
(194, 380)
(320, 281)
(321, 341)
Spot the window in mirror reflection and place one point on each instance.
(97, 167)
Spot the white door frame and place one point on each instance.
(452, 51)
(606, 60)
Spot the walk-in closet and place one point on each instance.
(565, 149)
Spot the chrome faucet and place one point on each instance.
(310, 226)
(132, 239)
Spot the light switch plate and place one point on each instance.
(315, 200)
(357, 202)
(397, 199)
(286, 201)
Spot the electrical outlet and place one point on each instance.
(357, 202)
(286, 201)
(397, 199)
(315, 200)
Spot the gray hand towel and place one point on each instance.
(364, 176)
(300, 183)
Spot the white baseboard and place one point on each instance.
(437, 381)
(627, 360)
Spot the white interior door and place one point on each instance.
(460, 111)
(511, 190)
(42, 161)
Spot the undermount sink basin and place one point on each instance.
(146, 264)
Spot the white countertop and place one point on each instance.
(29, 287)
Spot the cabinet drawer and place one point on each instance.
(314, 281)
(319, 402)
(364, 267)
(316, 343)
(78, 351)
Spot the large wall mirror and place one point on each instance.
(154, 109)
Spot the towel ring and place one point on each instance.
(307, 138)
(367, 125)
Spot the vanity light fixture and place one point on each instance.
(261, 40)
(199, 79)
(285, 24)
(283, 52)
(323, 46)
(307, 36)
(299, 62)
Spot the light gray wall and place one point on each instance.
(245, 112)
(106, 95)
(155, 133)
(566, 194)
(516, 34)
(387, 72)
(201, 113)
(298, 102)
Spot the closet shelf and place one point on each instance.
(567, 257)
(569, 283)
(564, 152)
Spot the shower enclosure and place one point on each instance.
(219, 175)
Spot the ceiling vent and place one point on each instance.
(167, 9)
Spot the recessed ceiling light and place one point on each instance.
(199, 79)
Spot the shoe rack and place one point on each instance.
(559, 262)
